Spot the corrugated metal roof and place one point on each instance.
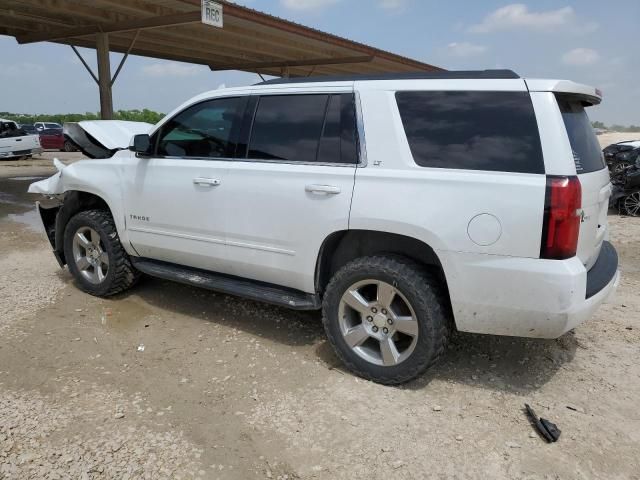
(250, 40)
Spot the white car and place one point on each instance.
(14, 142)
(403, 206)
(40, 126)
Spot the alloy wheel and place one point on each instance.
(378, 323)
(632, 204)
(89, 255)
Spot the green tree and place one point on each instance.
(144, 115)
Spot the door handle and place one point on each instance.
(206, 182)
(325, 189)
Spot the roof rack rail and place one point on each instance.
(444, 75)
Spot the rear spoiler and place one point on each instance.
(103, 138)
(587, 94)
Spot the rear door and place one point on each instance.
(593, 175)
(291, 185)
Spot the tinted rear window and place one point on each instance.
(288, 127)
(494, 131)
(584, 143)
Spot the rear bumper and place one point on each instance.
(603, 271)
(527, 297)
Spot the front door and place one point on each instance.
(291, 186)
(174, 207)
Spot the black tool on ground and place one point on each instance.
(549, 431)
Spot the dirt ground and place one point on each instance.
(169, 381)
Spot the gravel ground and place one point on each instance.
(169, 381)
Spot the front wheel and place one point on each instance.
(387, 318)
(95, 256)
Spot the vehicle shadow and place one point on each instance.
(487, 361)
(289, 327)
(513, 364)
(517, 365)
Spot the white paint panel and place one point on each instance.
(274, 226)
(435, 205)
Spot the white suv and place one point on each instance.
(404, 206)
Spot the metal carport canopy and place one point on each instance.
(249, 41)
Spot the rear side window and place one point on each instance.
(288, 127)
(493, 131)
(584, 144)
(304, 128)
(338, 140)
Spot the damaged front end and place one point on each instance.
(90, 183)
(49, 208)
(103, 138)
(56, 211)
(49, 215)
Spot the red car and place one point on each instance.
(52, 138)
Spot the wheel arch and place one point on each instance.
(340, 247)
(75, 201)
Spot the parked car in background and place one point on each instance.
(40, 126)
(29, 128)
(52, 139)
(625, 195)
(622, 155)
(15, 142)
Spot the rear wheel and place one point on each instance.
(387, 318)
(95, 256)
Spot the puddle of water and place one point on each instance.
(124, 315)
(18, 205)
(26, 178)
(30, 218)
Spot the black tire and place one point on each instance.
(120, 274)
(68, 146)
(425, 294)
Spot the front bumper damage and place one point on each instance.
(49, 216)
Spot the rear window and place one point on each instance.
(52, 125)
(304, 128)
(584, 143)
(494, 131)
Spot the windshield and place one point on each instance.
(52, 125)
(584, 144)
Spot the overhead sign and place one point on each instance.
(211, 13)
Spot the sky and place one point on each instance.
(590, 41)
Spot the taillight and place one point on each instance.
(562, 217)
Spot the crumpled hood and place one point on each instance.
(114, 134)
(102, 138)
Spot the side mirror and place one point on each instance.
(141, 144)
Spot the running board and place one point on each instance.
(242, 287)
